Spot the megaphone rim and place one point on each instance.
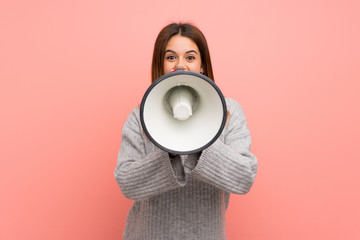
(162, 78)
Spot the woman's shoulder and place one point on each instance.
(135, 111)
(134, 116)
(232, 105)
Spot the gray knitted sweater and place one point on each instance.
(183, 198)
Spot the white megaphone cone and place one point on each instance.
(183, 112)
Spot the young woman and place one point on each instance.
(183, 196)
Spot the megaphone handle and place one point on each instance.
(172, 156)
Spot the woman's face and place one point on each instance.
(182, 51)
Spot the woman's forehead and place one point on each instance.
(180, 43)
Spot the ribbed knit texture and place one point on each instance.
(183, 198)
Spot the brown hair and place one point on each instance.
(186, 30)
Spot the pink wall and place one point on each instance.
(71, 71)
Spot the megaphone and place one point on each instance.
(183, 112)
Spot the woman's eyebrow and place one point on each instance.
(170, 51)
(191, 51)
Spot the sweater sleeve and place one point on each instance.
(142, 174)
(228, 163)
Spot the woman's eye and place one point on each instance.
(190, 58)
(170, 58)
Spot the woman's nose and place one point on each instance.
(179, 67)
(182, 63)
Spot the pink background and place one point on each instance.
(71, 71)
